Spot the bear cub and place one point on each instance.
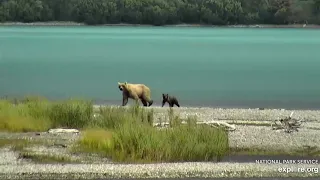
(171, 100)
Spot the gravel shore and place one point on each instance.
(69, 23)
(165, 170)
(249, 135)
(245, 136)
(207, 114)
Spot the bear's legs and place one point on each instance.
(150, 102)
(144, 102)
(147, 99)
(163, 102)
(124, 101)
(174, 101)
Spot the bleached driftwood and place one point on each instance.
(229, 127)
(61, 130)
(288, 124)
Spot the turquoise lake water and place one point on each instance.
(202, 66)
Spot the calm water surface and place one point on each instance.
(201, 66)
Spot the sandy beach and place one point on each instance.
(252, 131)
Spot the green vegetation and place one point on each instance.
(129, 137)
(31, 114)
(45, 158)
(123, 134)
(134, 143)
(162, 12)
(14, 144)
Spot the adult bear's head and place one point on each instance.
(122, 85)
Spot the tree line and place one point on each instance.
(163, 12)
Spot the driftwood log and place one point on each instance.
(62, 130)
(288, 124)
(228, 126)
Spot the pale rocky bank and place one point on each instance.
(249, 133)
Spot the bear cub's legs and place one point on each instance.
(176, 103)
(171, 104)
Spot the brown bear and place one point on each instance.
(136, 92)
(169, 99)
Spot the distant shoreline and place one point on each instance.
(55, 23)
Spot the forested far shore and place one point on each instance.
(163, 12)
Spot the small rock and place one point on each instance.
(60, 145)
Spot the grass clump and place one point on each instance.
(44, 158)
(14, 144)
(184, 143)
(71, 113)
(113, 117)
(96, 140)
(129, 137)
(174, 120)
(23, 117)
(38, 114)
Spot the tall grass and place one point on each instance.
(97, 140)
(134, 143)
(72, 113)
(128, 137)
(123, 134)
(113, 117)
(33, 114)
